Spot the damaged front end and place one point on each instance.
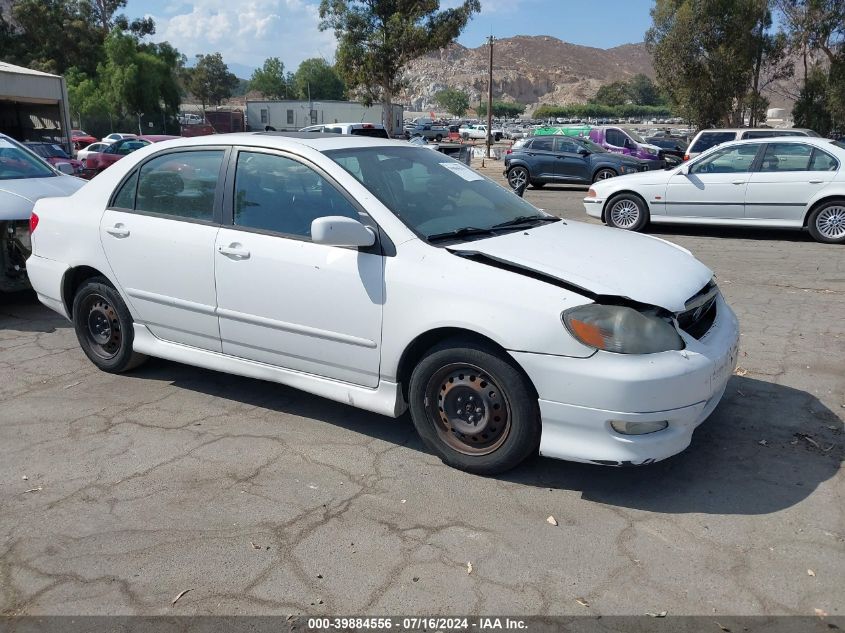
(15, 248)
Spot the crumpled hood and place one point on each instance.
(601, 260)
(17, 197)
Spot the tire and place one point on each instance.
(104, 327)
(499, 433)
(604, 173)
(626, 211)
(517, 176)
(438, 138)
(826, 222)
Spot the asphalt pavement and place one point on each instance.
(117, 493)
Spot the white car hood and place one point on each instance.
(17, 196)
(602, 261)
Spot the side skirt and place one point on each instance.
(386, 399)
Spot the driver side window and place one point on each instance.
(278, 194)
(729, 160)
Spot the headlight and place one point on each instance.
(621, 329)
(651, 152)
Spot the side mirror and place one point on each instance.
(336, 230)
(65, 168)
(584, 151)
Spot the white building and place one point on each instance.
(290, 116)
(33, 105)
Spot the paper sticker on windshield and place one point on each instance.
(463, 171)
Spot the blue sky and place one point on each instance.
(248, 31)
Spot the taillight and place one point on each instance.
(33, 223)
(686, 156)
(508, 151)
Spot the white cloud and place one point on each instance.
(246, 32)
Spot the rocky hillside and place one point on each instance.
(526, 69)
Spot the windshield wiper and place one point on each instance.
(465, 231)
(525, 219)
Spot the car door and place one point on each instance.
(569, 164)
(542, 157)
(714, 186)
(158, 235)
(282, 299)
(789, 176)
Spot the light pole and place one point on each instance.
(490, 98)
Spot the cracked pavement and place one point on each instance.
(263, 500)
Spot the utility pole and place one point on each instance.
(490, 98)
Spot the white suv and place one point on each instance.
(376, 130)
(706, 139)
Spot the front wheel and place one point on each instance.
(626, 211)
(104, 327)
(517, 177)
(827, 222)
(604, 174)
(474, 408)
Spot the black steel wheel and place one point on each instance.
(104, 326)
(474, 407)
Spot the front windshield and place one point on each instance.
(593, 147)
(635, 136)
(17, 163)
(430, 192)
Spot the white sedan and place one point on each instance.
(93, 148)
(390, 277)
(784, 182)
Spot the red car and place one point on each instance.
(54, 154)
(81, 139)
(95, 163)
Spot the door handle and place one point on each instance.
(816, 182)
(739, 182)
(118, 230)
(234, 251)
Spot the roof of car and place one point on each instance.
(812, 140)
(315, 140)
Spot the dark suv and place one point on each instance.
(566, 160)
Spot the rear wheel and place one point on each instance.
(438, 138)
(104, 327)
(474, 408)
(827, 222)
(517, 177)
(626, 211)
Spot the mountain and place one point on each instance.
(527, 69)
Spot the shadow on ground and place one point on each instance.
(22, 312)
(727, 470)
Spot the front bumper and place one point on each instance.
(593, 207)
(579, 397)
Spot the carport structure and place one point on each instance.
(34, 105)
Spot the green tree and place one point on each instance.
(455, 102)
(211, 81)
(812, 108)
(501, 109)
(269, 80)
(317, 79)
(612, 94)
(704, 54)
(378, 38)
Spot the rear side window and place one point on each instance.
(822, 161)
(180, 184)
(125, 198)
(545, 144)
(371, 131)
(786, 157)
(711, 139)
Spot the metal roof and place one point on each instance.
(21, 70)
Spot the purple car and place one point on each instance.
(621, 141)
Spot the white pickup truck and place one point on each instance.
(479, 131)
